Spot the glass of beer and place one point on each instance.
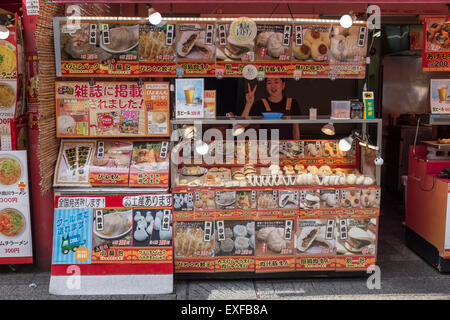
(189, 95)
(442, 94)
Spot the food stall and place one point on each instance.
(116, 101)
(427, 205)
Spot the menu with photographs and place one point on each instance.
(12, 87)
(157, 45)
(310, 49)
(149, 164)
(111, 109)
(436, 44)
(112, 231)
(348, 51)
(157, 103)
(235, 46)
(15, 224)
(196, 48)
(112, 163)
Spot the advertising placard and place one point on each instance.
(436, 40)
(112, 231)
(111, 109)
(15, 223)
(189, 97)
(440, 95)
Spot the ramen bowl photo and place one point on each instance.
(10, 170)
(7, 96)
(12, 222)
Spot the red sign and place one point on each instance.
(436, 44)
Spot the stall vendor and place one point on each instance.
(275, 102)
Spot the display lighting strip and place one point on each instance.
(309, 20)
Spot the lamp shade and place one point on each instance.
(328, 129)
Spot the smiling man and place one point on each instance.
(275, 102)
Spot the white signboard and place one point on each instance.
(15, 224)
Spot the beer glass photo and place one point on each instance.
(442, 91)
(439, 96)
(189, 94)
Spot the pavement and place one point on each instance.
(402, 274)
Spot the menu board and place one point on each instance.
(12, 88)
(311, 46)
(114, 230)
(196, 48)
(157, 49)
(209, 48)
(15, 224)
(112, 163)
(149, 164)
(356, 240)
(111, 109)
(315, 244)
(436, 48)
(348, 50)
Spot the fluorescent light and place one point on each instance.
(346, 21)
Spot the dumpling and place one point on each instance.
(276, 241)
(264, 233)
(115, 223)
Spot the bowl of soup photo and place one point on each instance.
(10, 170)
(12, 222)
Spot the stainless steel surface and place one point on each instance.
(405, 86)
(436, 119)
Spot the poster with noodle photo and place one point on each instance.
(440, 95)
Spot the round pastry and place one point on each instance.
(311, 36)
(319, 51)
(312, 169)
(368, 181)
(325, 37)
(351, 179)
(324, 171)
(302, 52)
(299, 167)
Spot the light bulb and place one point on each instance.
(155, 18)
(4, 32)
(345, 144)
(346, 21)
(201, 147)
